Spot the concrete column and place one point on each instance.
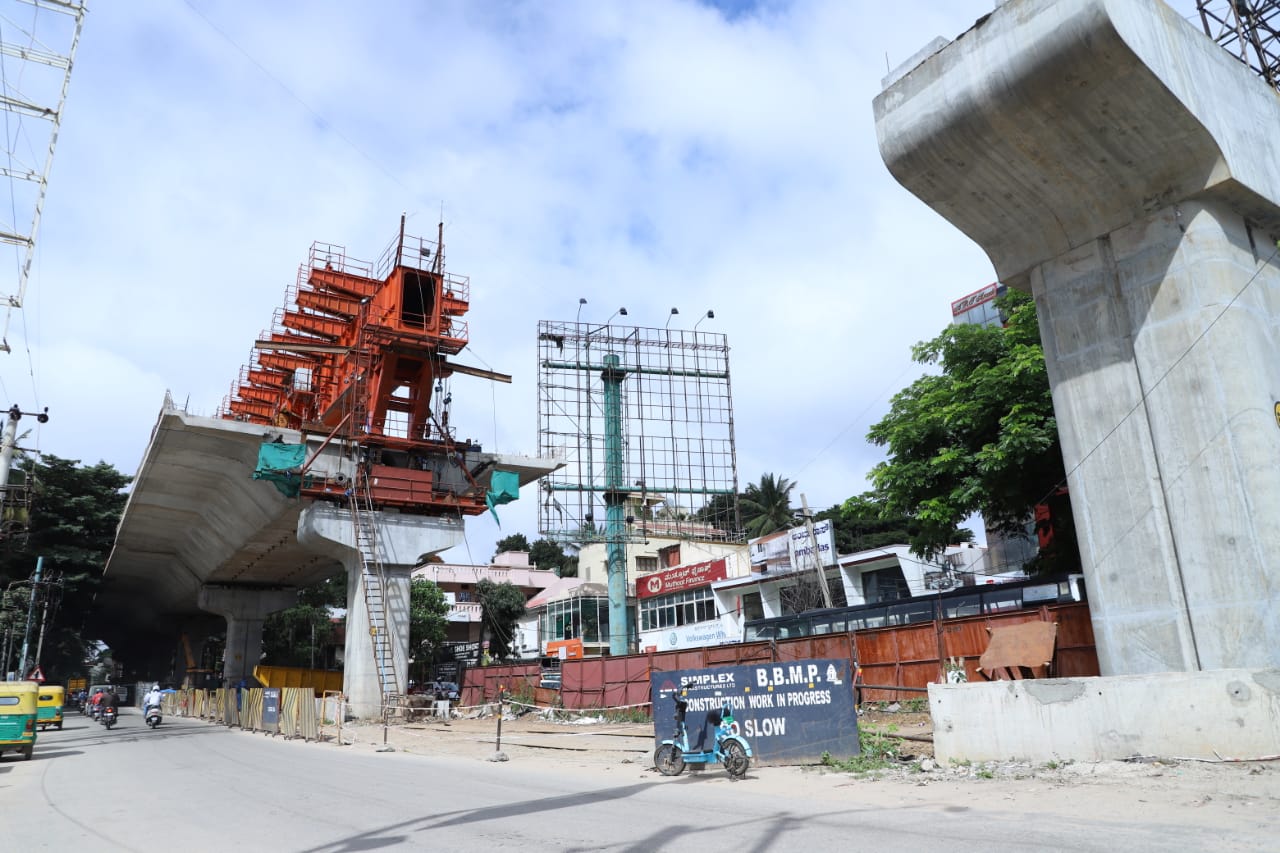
(851, 580)
(196, 631)
(1177, 505)
(771, 600)
(245, 609)
(402, 539)
(1109, 158)
(360, 674)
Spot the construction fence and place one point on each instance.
(288, 711)
(896, 662)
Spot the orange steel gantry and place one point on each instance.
(359, 354)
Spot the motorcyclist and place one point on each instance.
(110, 701)
(152, 699)
(95, 702)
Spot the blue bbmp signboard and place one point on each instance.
(788, 712)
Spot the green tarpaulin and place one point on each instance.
(504, 487)
(279, 463)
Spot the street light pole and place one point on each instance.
(9, 440)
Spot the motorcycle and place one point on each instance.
(95, 711)
(153, 716)
(108, 717)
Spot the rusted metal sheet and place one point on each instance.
(1019, 645)
(907, 656)
(483, 684)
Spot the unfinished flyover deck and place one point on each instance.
(199, 536)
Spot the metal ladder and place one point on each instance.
(373, 578)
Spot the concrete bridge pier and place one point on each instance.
(402, 542)
(1121, 166)
(245, 609)
(191, 639)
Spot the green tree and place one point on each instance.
(298, 635)
(569, 568)
(501, 606)
(428, 618)
(980, 436)
(861, 524)
(721, 512)
(514, 542)
(72, 524)
(546, 554)
(766, 506)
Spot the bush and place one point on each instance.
(879, 750)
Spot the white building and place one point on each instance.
(865, 577)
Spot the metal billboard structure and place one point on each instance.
(643, 420)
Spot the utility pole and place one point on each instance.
(9, 439)
(31, 608)
(8, 648)
(817, 555)
(7, 442)
(44, 620)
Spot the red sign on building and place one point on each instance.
(973, 300)
(681, 578)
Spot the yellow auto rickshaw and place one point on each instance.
(49, 701)
(18, 717)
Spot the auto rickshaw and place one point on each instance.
(49, 701)
(18, 717)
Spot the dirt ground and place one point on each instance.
(1243, 799)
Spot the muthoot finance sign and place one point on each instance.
(789, 712)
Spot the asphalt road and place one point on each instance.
(192, 786)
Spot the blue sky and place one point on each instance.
(703, 155)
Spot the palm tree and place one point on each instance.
(766, 507)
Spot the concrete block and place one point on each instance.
(1227, 713)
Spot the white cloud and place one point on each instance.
(645, 155)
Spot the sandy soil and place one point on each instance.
(1243, 799)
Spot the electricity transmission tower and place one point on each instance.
(38, 41)
(1248, 30)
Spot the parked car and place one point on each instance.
(551, 682)
(444, 690)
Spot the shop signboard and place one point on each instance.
(790, 712)
(802, 545)
(462, 652)
(692, 636)
(973, 300)
(681, 578)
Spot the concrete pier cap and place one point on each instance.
(245, 608)
(401, 541)
(1053, 122)
(1124, 169)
